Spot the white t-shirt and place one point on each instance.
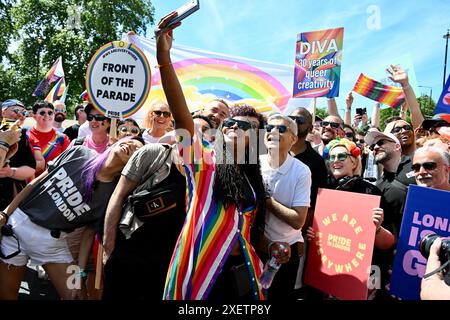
(84, 130)
(169, 137)
(290, 185)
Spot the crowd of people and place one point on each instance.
(224, 201)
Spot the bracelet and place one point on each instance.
(159, 66)
(4, 215)
(406, 87)
(5, 144)
(13, 172)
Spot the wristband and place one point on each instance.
(159, 66)
(406, 87)
(13, 172)
(4, 215)
(5, 144)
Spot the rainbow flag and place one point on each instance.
(84, 96)
(389, 95)
(56, 72)
(57, 91)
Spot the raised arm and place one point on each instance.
(348, 110)
(332, 107)
(376, 115)
(169, 79)
(399, 75)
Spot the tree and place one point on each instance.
(72, 29)
(427, 106)
(321, 112)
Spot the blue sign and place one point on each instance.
(443, 104)
(426, 211)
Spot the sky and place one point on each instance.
(376, 33)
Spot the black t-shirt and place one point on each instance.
(23, 157)
(318, 169)
(72, 131)
(405, 173)
(393, 200)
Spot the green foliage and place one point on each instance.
(43, 30)
(321, 112)
(427, 106)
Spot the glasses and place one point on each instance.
(349, 134)
(361, 141)
(165, 114)
(298, 119)
(406, 127)
(43, 113)
(426, 165)
(60, 110)
(339, 157)
(133, 131)
(378, 143)
(281, 128)
(244, 125)
(97, 117)
(20, 111)
(334, 125)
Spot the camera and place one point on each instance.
(361, 111)
(444, 252)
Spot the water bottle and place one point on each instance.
(272, 266)
(270, 270)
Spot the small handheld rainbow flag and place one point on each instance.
(389, 95)
(57, 91)
(56, 72)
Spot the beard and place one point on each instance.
(60, 117)
(383, 157)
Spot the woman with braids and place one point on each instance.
(214, 257)
(72, 192)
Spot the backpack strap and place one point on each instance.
(79, 141)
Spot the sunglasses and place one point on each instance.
(360, 141)
(244, 125)
(378, 143)
(298, 119)
(334, 125)
(97, 117)
(281, 128)
(165, 114)
(20, 111)
(406, 127)
(349, 134)
(339, 157)
(60, 110)
(134, 130)
(43, 113)
(426, 165)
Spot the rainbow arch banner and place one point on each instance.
(206, 75)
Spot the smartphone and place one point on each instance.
(185, 11)
(6, 124)
(361, 111)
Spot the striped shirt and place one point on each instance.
(209, 233)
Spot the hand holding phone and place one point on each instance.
(182, 12)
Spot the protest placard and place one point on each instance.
(318, 63)
(443, 104)
(339, 259)
(426, 211)
(118, 79)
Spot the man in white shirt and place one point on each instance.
(288, 183)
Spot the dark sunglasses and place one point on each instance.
(165, 114)
(43, 113)
(281, 128)
(406, 127)
(339, 157)
(20, 111)
(244, 125)
(134, 130)
(97, 117)
(426, 165)
(349, 134)
(298, 119)
(378, 143)
(360, 141)
(334, 125)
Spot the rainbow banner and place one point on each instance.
(56, 72)
(57, 91)
(391, 96)
(206, 75)
(318, 63)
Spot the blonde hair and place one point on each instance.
(148, 119)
